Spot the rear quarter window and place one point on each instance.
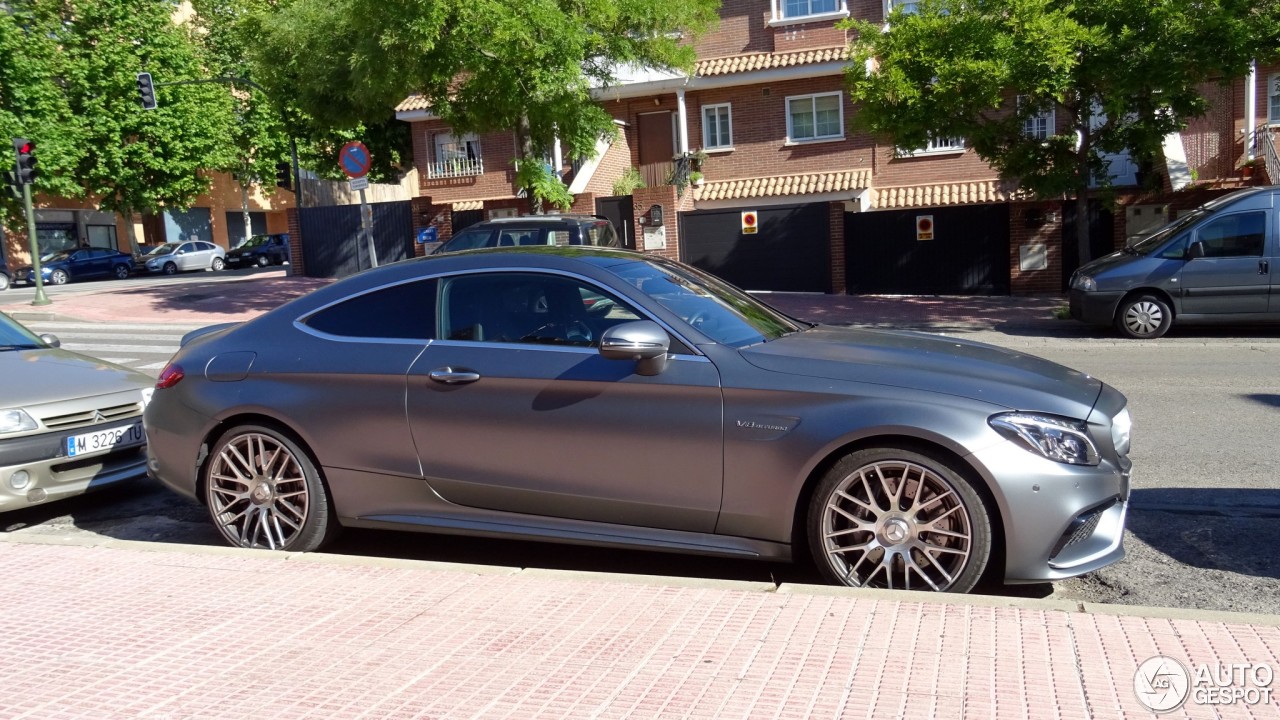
(406, 311)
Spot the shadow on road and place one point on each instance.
(1237, 530)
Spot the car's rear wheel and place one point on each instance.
(217, 264)
(899, 519)
(263, 491)
(58, 277)
(4, 282)
(263, 261)
(121, 272)
(1144, 317)
(170, 268)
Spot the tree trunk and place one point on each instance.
(244, 207)
(524, 150)
(130, 232)
(1084, 249)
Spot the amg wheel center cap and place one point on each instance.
(896, 530)
(261, 494)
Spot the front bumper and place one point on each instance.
(1059, 520)
(1095, 308)
(53, 475)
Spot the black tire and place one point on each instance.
(278, 491)
(263, 261)
(170, 269)
(217, 264)
(4, 282)
(58, 277)
(1143, 317)
(121, 272)
(874, 551)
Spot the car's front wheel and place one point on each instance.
(1144, 317)
(263, 491)
(170, 268)
(4, 282)
(217, 264)
(121, 272)
(899, 519)
(58, 277)
(263, 261)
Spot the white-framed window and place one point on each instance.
(717, 127)
(911, 7)
(1273, 100)
(935, 146)
(815, 117)
(786, 12)
(455, 156)
(1038, 126)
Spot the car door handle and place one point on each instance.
(1263, 267)
(453, 376)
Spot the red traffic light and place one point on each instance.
(26, 147)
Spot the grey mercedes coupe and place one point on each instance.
(611, 398)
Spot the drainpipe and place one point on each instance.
(557, 157)
(1251, 111)
(684, 121)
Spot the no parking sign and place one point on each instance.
(924, 227)
(749, 222)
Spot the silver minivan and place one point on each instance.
(1213, 265)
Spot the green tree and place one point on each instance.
(1124, 73)
(483, 65)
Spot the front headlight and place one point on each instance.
(1056, 438)
(1121, 425)
(16, 420)
(1083, 282)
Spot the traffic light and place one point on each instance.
(25, 172)
(284, 176)
(146, 91)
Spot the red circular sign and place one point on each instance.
(925, 224)
(749, 219)
(354, 159)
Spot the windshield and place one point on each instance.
(15, 337)
(1152, 242)
(165, 249)
(56, 257)
(714, 308)
(256, 241)
(468, 239)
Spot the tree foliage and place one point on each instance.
(1124, 74)
(68, 80)
(483, 65)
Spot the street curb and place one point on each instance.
(901, 596)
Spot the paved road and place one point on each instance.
(26, 293)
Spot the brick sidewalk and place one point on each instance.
(129, 630)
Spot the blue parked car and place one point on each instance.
(79, 264)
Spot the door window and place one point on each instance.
(405, 311)
(531, 308)
(1238, 235)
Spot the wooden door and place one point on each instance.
(657, 147)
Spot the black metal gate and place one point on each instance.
(1101, 238)
(465, 218)
(791, 250)
(331, 241)
(619, 210)
(968, 253)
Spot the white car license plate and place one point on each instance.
(104, 440)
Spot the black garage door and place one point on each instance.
(790, 252)
(968, 254)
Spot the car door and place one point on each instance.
(1234, 275)
(512, 408)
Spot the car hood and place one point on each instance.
(933, 364)
(1097, 266)
(51, 374)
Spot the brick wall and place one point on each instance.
(584, 204)
(742, 29)
(520, 205)
(612, 166)
(1021, 232)
(497, 149)
(839, 285)
(297, 263)
(672, 206)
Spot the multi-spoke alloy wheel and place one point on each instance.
(263, 492)
(899, 520)
(1144, 317)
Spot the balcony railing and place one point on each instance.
(455, 168)
(1265, 137)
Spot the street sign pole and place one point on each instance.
(40, 298)
(366, 224)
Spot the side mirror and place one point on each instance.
(642, 341)
(1195, 251)
(51, 340)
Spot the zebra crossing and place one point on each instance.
(142, 346)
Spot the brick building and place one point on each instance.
(836, 211)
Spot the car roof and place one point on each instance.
(526, 219)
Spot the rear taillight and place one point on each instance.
(171, 375)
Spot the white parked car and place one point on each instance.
(171, 258)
